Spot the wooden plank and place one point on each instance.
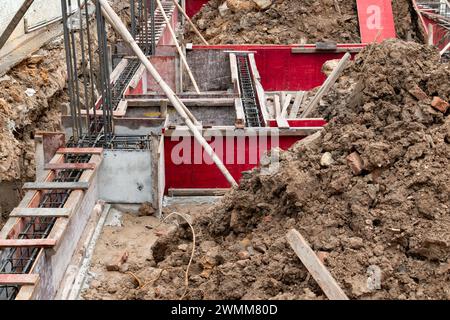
(69, 166)
(40, 212)
(297, 104)
(282, 122)
(197, 192)
(286, 105)
(326, 85)
(251, 58)
(240, 115)
(18, 279)
(314, 50)
(315, 267)
(277, 106)
(56, 185)
(27, 243)
(80, 150)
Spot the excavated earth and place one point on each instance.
(291, 22)
(382, 229)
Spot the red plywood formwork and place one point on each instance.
(376, 20)
(441, 36)
(194, 6)
(281, 69)
(244, 157)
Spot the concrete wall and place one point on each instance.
(126, 177)
(211, 70)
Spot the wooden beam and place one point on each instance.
(314, 50)
(18, 279)
(27, 243)
(286, 105)
(315, 267)
(282, 122)
(297, 104)
(240, 115)
(40, 212)
(190, 22)
(277, 105)
(197, 192)
(56, 185)
(80, 150)
(326, 86)
(69, 166)
(15, 21)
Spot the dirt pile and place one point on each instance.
(29, 97)
(370, 193)
(291, 22)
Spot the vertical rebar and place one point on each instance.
(133, 18)
(152, 11)
(83, 66)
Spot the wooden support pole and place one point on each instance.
(326, 86)
(315, 267)
(180, 51)
(430, 35)
(287, 102)
(445, 49)
(190, 22)
(14, 22)
(118, 25)
(277, 105)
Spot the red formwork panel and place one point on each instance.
(194, 6)
(441, 36)
(205, 174)
(376, 20)
(281, 69)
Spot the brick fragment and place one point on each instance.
(117, 261)
(355, 163)
(439, 104)
(418, 93)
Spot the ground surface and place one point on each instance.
(380, 222)
(135, 236)
(291, 22)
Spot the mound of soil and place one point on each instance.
(370, 193)
(291, 22)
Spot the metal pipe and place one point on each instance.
(122, 30)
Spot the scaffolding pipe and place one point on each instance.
(120, 28)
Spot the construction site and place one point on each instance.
(224, 150)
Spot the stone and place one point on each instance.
(146, 209)
(263, 4)
(117, 261)
(223, 9)
(355, 243)
(326, 160)
(243, 255)
(329, 66)
(240, 5)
